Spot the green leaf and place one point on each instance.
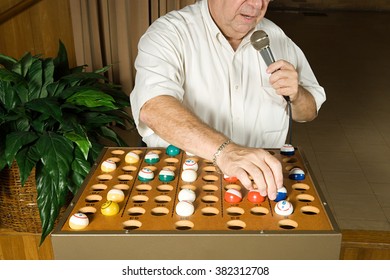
(80, 78)
(61, 62)
(52, 196)
(23, 65)
(35, 79)
(92, 99)
(48, 106)
(48, 76)
(95, 151)
(7, 61)
(80, 168)
(26, 160)
(8, 96)
(56, 153)
(100, 119)
(21, 123)
(55, 89)
(3, 162)
(111, 135)
(9, 76)
(15, 141)
(81, 141)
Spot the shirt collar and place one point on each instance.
(209, 20)
(211, 25)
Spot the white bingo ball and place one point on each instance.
(184, 208)
(108, 165)
(189, 175)
(145, 175)
(116, 195)
(284, 208)
(78, 221)
(190, 164)
(187, 194)
(287, 150)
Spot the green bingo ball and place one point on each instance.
(172, 151)
(166, 175)
(152, 158)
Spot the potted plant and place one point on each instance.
(53, 119)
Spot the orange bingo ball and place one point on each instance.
(110, 208)
(230, 179)
(254, 196)
(233, 196)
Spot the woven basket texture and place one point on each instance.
(18, 204)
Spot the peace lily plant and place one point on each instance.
(53, 118)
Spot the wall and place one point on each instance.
(37, 29)
(364, 5)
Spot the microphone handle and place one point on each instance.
(267, 56)
(269, 59)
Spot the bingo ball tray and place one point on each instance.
(148, 225)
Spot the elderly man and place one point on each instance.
(201, 86)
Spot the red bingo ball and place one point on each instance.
(233, 196)
(230, 179)
(254, 196)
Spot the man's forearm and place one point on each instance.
(304, 106)
(168, 118)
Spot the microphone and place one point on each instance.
(260, 42)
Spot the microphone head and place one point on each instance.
(259, 40)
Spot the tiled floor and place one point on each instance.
(348, 145)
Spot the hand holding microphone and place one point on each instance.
(260, 42)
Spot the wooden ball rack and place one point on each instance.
(147, 226)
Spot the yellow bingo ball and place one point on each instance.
(131, 158)
(109, 208)
(115, 195)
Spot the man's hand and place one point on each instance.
(284, 79)
(251, 163)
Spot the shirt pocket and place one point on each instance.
(273, 117)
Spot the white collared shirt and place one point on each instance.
(184, 54)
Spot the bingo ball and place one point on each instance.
(131, 158)
(187, 194)
(78, 221)
(152, 158)
(109, 208)
(189, 175)
(190, 164)
(230, 179)
(281, 194)
(172, 151)
(166, 175)
(145, 175)
(184, 208)
(254, 196)
(115, 195)
(296, 174)
(233, 196)
(284, 208)
(108, 166)
(287, 150)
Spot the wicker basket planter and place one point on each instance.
(18, 204)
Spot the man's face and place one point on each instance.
(235, 18)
